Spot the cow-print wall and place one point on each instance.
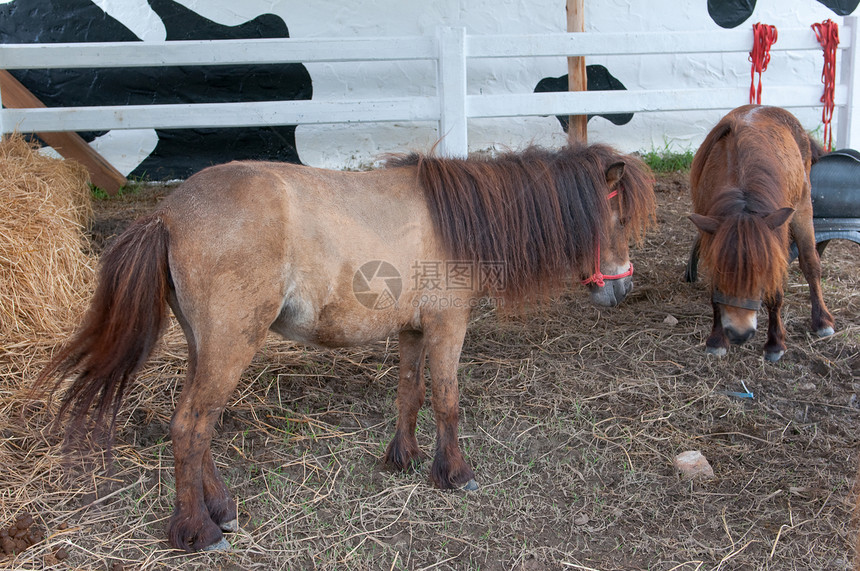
(179, 152)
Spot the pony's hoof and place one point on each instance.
(825, 332)
(231, 526)
(470, 486)
(773, 356)
(716, 351)
(222, 545)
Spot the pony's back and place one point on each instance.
(763, 151)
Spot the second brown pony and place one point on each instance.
(335, 259)
(751, 195)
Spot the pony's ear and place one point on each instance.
(614, 173)
(779, 217)
(706, 224)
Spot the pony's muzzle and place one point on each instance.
(738, 324)
(739, 337)
(738, 316)
(612, 292)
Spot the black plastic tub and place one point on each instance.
(835, 182)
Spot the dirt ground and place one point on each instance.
(571, 416)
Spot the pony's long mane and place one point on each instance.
(539, 214)
(746, 257)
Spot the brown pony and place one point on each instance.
(751, 193)
(335, 259)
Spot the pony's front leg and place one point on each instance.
(774, 347)
(403, 451)
(810, 265)
(445, 332)
(717, 342)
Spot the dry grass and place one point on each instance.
(571, 416)
(44, 271)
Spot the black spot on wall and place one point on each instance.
(733, 13)
(180, 152)
(841, 7)
(730, 13)
(598, 78)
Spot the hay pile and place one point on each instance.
(44, 271)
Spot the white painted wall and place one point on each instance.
(340, 146)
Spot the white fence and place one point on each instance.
(450, 107)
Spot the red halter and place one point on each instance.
(598, 278)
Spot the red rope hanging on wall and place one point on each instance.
(827, 33)
(764, 36)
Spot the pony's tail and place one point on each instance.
(817, 149)
(122, 325)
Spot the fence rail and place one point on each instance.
(450, 107)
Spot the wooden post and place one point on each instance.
(576, 79)
(69, 145)
(453, 126)
(848, 119)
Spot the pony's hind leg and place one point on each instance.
(226, 334)
(445, 332)
(403, 452)
(219, 366)
(216, 496)
(691, 272)
(221, 507)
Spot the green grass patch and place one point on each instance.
(667, 160)
(133, 187)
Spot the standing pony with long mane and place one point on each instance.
(320, 257)
(751, 195)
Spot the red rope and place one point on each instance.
(827, 33)
(764, 36)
